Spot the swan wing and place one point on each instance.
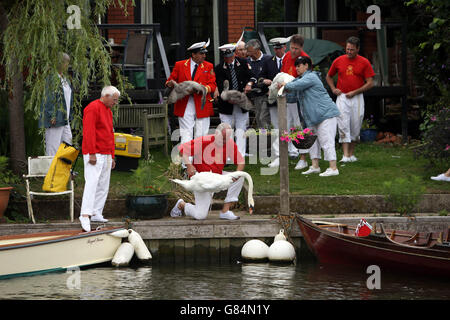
(212, 182)
(186, 184)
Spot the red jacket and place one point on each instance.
(205, 76)
(98, 132)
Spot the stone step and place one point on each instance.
(266, 205)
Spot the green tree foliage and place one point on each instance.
(38, 31)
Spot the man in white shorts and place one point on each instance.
(355, 76)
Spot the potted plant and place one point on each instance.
(300, 138)
(369, 130)
(6, 179)
(144, 199)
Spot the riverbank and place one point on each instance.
(216, 240)
(47, 210)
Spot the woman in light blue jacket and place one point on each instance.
(319, 112)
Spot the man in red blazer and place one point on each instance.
(188, 110)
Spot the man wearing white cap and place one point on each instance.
(238, 73)
(279, 47)
(189, 109)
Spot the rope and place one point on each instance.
(287, 223)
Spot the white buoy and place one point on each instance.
(123, 255)
(140, 248)
(120, 233)
(281, 251)
(280, 236)
(254, 250)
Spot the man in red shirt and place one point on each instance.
(355, 76)
(98, 155)
(210, 153)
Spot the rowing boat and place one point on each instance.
(418, 252)
(28, 254)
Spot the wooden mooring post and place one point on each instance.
(284, 159)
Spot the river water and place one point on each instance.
(244, 281)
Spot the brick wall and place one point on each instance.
(241, 13)
(116, 15)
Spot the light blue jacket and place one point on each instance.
(314, 100)
(54, 107)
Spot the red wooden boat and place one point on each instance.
(335, 243)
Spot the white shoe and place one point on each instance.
(441, 177)
(85, 223)
(353, 159)
(311, 170)
(176, 211)
(98, 218)
(275, 163)
(301, 165)
(346, 159)
(329, 172)
(229, 215)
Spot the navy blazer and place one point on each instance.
(243, 74)
(259, 67)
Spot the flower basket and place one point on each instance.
(301, 139)
(306, 143)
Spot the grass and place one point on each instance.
(376, 164)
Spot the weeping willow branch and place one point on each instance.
(38, 33)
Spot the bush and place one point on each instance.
(436, 133)
(404, 194)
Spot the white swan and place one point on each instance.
(273, 88)
(213, 182)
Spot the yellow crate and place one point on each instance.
(127, 145)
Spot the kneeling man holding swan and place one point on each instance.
(209, 155)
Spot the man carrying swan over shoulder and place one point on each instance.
(209, 153)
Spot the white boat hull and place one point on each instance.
(55, 251)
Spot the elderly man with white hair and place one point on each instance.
(98, 155)
(210, 153)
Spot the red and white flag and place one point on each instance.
(363, 229)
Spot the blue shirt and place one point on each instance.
(315, 102)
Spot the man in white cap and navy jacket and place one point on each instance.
(238, 73)
(189, 109)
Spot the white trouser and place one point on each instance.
(239, 121)
(200, 210)
(96, 184)
(326, 135)
(189, 121)
(54, 136)
(350, 120)
(293, 120)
